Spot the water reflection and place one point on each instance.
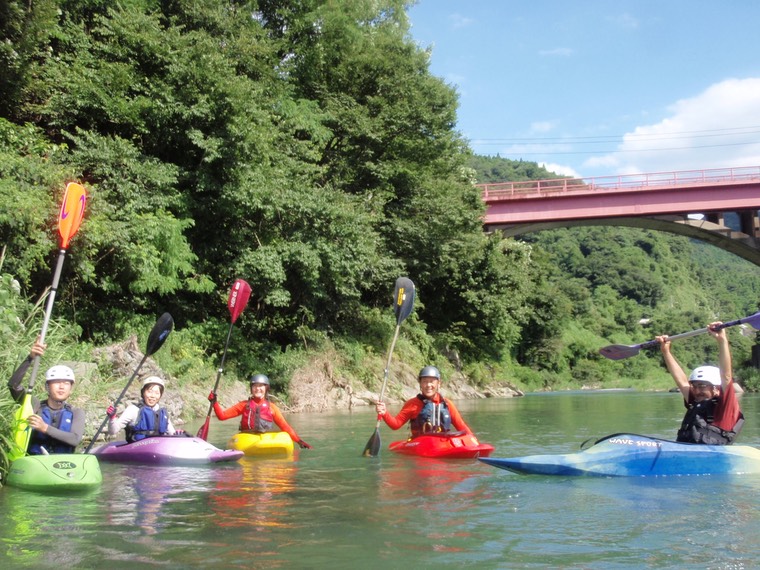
(256, 496)
(30, 519)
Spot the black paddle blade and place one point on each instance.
(158, 333)
(373, 445)
(403, 298)
(619, 351)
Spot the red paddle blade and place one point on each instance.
(72, 212)
(239, 295)
(203, 431)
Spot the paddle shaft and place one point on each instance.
(46, 320)
(203, 432)
(387, 368)
(621, 351)
(116, 403)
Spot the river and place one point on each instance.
(329, 507)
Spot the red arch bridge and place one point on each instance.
(719, 206)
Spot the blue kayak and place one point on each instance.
(630, 455)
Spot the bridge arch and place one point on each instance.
(720, 236)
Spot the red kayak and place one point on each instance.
(456, 445)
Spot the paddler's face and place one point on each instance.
(703, 391)
(152, 394)
(59, 390)
(258, 391)
(429, 386)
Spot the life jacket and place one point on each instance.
(60, 419)
(148, 423)
(257, 418)
(433, 418)
(697, 425)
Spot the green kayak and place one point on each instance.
(60, 472)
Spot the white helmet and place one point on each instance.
(59, 374)
(709, 374)
(152, 380)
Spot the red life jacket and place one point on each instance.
(257, 418)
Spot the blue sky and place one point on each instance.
(601, 87)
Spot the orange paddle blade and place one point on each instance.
(72, 212)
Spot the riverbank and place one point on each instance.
(317, 386)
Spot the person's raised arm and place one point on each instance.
(724, 353)
(679, 376)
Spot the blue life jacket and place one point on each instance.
(433, 418)
(60, 419)
(697, 425)
(148, 423)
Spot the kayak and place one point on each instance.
(59, 472)
(166, 450)
(457, 445)
(277, 443)
(630, 455)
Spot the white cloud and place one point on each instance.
(542, 126)
(560, 52)
(459, 21)
(625, 20)
(717, 128)
(560, 169)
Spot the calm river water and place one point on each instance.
(332, 508)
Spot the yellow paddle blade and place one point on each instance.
(20, 429)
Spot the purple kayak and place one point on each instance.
(167, 450)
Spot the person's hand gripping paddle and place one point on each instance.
(238, 299)
(69, 220)
(403, 302)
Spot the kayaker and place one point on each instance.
(259, 415)
(146, 418)
(428, 411)
(713, 415)
(57, 426)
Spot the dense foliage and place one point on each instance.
(305, 147)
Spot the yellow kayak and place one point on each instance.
(277, 443)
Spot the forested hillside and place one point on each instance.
(305, 147)
(607, 285)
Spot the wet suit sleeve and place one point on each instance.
(410, 409)
(14, 384)
(279, 419)
(231, 412)
(456, 418)
(127, 417)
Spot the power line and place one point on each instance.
(731, 131)
(618, 151)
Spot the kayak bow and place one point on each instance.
(165, 450)
(457, 445)
(631, 455)
(277, 443)
(59, 472)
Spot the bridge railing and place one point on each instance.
(625, 182)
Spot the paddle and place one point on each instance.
(238, 299)
(69, 220)
(621, 351)
(403, 299)
(156, 338)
